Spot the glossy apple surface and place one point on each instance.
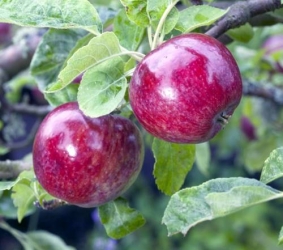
(185, 90)
(86, 161)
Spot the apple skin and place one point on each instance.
(185, 90)
(86, 161)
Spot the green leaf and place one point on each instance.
(119, 219)
(25, 190)
(242, 34)
(171, 20)
(51, 54)
(7, 208)
(155, 10)
(45, 240)
(102, 88)
(213, 199)
(280, 238)
(67, 94)
(38, 240)
(197, 16)
(6, 185)
(23, 197)
(83, 41)
(130, 64)
(59, 14)
(203, 157)
(25, 175)
(136, 11)
(273, 166)
(172, 164)
(98, 50)
(128, 33)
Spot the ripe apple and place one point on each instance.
(185, 90)
(86, 161)
(274, 45)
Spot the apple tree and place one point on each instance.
(90, 89)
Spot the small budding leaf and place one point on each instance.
(102, 88)
(119, 219)
(213, 199)
(172, 164)
(59, 14)
(273, 166)
(98, 50)
(197, 16)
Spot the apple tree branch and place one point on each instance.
(241, 12)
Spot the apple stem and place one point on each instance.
(149, 35)
(134, 54)
(51, 204)
(160, 25)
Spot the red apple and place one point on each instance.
(86, 161)
(185, 90)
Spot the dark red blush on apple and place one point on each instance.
(86, 161)
(185, 90)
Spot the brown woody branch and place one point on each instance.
(240, 13)
(268, 92)
(197, 2)
(13, 60)
(11, 169)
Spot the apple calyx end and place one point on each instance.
(223, 119)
